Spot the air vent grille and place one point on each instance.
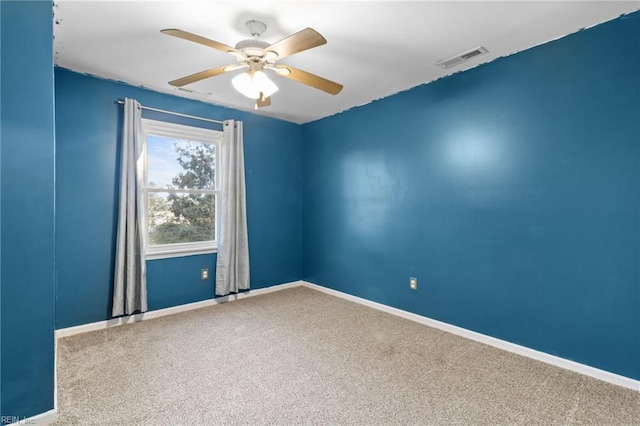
(462, 57)
(471, 54)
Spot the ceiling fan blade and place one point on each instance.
(262, 101)
(309, 79)
(298, 42)
(198, 76)
(201, 40)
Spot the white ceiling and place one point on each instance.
(374, 49)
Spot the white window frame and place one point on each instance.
(189, 133)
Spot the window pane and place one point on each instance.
(180, 164)
(180, 218)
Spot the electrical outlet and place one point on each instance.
(413, 283)
(204, 274)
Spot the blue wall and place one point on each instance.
(87, 133)
(511, 191)
(27, 212)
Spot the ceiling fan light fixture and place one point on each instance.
(251, 85)
(242, 83)
(263, 84)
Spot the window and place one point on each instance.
(180, 189)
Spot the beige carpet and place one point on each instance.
(299, 356)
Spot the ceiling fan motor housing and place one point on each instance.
(252, 47)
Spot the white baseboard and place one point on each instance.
(100, 325)
(41, 419)
(597, 373)
(603, 375)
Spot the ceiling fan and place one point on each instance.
(257, 56)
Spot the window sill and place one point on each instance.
(169, 253)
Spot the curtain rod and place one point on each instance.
(121, 102)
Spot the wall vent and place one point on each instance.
(462, 57)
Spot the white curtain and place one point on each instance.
(130, 277)
(232, 268)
